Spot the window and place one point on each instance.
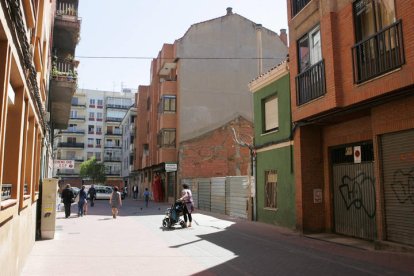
(72, 140)
(98, 156)
(90, 142)
(99, 116)
(270, 189)
(310, 81)
(372, 16)
(73, 114)
(270, 112)
(89, 155)
(91, 116)
(91, 129)
(98, 130)
(91, 102)
(298, 5)
(166, 138)
(309, 47)
(74, 101)
(100, 103)
(98, 143)
(378, 34)
(169, 103)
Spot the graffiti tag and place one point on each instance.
(403, 186)
(359, 192)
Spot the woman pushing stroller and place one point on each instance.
(187, 199)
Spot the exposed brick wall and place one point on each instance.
(215, 153)
(308, 176)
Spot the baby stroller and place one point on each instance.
(173, 214)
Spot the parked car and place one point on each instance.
(104, 192)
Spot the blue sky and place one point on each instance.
(139, 28)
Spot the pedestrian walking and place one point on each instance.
(146, 197)
(82, 201)
(92, 195)
(68, 199)
(187, 198)
(115, 201)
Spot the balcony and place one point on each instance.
(66, 172)
(117, 106)
(112, 159)
(298, 5)
(6, 191)
(73, 131)
(131, 147)
(71, 145)
(378, 54)
(67, 25)
(62, 88)
(113, 133)
(310, 84)
(113, 119)
(112, 145)
(80, 105)
(77, 118)
(75, 158)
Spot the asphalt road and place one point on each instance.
(136, 244)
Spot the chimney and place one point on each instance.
(229, 11)
(283, 36)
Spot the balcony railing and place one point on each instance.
(117, 106)
(80, 118)
(6, 190)
(310, 84)
(62, 69)
(71, 145)
(115, 133)
(113, 119)
(112, 145)
(64, 8)
(298, 5)
(378, 54)
(73, 130)
(112, 159)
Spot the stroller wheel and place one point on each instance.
(166, 223)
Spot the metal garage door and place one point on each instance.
(204, 194)
(237, 196)
(354, 200)
(218, 195)
(398, 178)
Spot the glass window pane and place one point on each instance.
(271, 114)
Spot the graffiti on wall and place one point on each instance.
(403, 186)
(359, 192)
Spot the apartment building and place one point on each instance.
(28, 111)
(198, 86)
(128, 128)
(94, 130)
(352, 95)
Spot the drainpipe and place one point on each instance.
(259, 45)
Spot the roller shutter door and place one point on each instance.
(398, 181)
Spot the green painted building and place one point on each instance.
(275, 187)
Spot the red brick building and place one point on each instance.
(352, 95)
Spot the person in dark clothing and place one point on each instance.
(82, 201)
(92, 195)
(67, 198)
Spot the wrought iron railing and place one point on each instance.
(6, 190)
(71, 145)
(298, 5)
(64, 8)
(379, 53)
(310, 84)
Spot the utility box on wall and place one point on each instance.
(48, 218)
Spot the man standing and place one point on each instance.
(67, 198)
(92, 195)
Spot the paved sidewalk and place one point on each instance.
(136, 244)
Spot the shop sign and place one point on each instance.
(170, 167)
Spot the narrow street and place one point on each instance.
(136, 244)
